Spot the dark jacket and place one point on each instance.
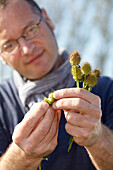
(12, 112)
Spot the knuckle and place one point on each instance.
(16, 129)
(98, 113)
(64, 92)
(80, 91)
(78, 103)
(17, 139)
(28, 148)
(98, 100)
(16, 136)
(67, 128)
(68, 117)
(41, 149)
(53, 144)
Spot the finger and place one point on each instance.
(77, 93)
(77, 132)
(79, 120)
(43, 127)
(80, 105)
(53, 143)
(25, 127)
(53, 130)
(46, 148)
(40, 145)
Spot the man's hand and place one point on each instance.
(37, 133)
(83, 114)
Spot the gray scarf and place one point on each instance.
(35, 91)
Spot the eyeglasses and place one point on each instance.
(30, 32)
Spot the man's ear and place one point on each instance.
(48, 19)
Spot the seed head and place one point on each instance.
(76, 72)
(75, 58)
(97, 72)
(50, 99)
(91, 80)
(86, 68)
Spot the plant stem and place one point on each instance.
(40, 167)
(46, 159)
(71, 139)
(84, 82)
(70, 143)
(77, 83)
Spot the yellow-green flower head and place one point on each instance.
(86, 68)
(73, 70)
(75, 58)
(91, 80)
(76, 72)
(50, 99)
(97, 72)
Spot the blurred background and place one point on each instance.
(83, 25)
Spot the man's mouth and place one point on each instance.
(36, 58)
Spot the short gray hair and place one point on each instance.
(35, 7)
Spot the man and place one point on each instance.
(30, 129)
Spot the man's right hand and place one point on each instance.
(37, 133)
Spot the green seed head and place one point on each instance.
(50, 99)
(51, 96)
(73, 70)
(97, 72)
(91, 80)
(86, 68)
(75, 58)
(76, 72)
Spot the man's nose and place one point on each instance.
(26, 46)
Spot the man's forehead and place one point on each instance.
(14, 18)
(15, 6)
(15, 12)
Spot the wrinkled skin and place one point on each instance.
(82, 112)
(37, 133)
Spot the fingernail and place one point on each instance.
(45, 105)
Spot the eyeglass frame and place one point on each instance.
(22, 36)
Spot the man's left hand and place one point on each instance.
(82, 110)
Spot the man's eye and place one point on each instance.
(9, 47)
(31, 31)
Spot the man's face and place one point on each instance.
(35, 57)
